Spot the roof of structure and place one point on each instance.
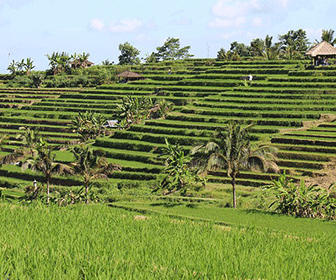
(78, 62)
(129, 74)
(323, 48)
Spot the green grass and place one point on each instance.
(99, 242)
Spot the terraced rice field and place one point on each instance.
(280, 100)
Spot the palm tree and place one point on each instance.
(45, 162)
(20, 65)
(3, 138)
(160, 109)
(328, 36)
(59, 62)
(90, 166)
(83, 59)
(12, 68)
(28, 65)
(30, 140)
(231, 149)
(271, 51)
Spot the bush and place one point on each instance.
(303, 201)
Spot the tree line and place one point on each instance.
(291, 45)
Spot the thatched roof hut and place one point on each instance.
(321, 52)
(78, 64)
(129, 76)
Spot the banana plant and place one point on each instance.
(12, 68)
(28, 65)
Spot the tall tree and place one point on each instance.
(231, 150)
(265, 48)
(129, 54)
(297, 40)
(90, 166)
(30, 140)
(240, 48)
(44, 161)
(59, 62)
(328, 36)
(171, 50)
(221, 54)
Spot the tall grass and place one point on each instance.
(98, 242)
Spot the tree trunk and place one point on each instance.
(233, 183)
(48, 191)
(86, 193)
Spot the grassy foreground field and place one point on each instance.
(100, 242)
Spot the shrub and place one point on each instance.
(303, 201)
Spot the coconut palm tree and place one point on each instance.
(328, 36)
(3, 138)
(231, 150)
(90, 166)
(45, 162)
(30, 140)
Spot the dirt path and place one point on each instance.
(324, 177)
(327, 175)
(325, 118)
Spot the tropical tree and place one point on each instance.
(177, 171)
(294, 42)
(59, 62)
(151, 58)
(257, 47)
(28, 65)
(81, 59)
(12, 68)
(44, 161)
(271, 51)
(88, 125)
(90, 166)
(38, 79)
(134, 110)
(20, 65)
(231, 150)
(240, 49)
(107, 62)
(221, 54)
(328, 36)
(3, 140)
(265, 48)
(160, 109)
(30, 140)
(129, 54)
(171, 50)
